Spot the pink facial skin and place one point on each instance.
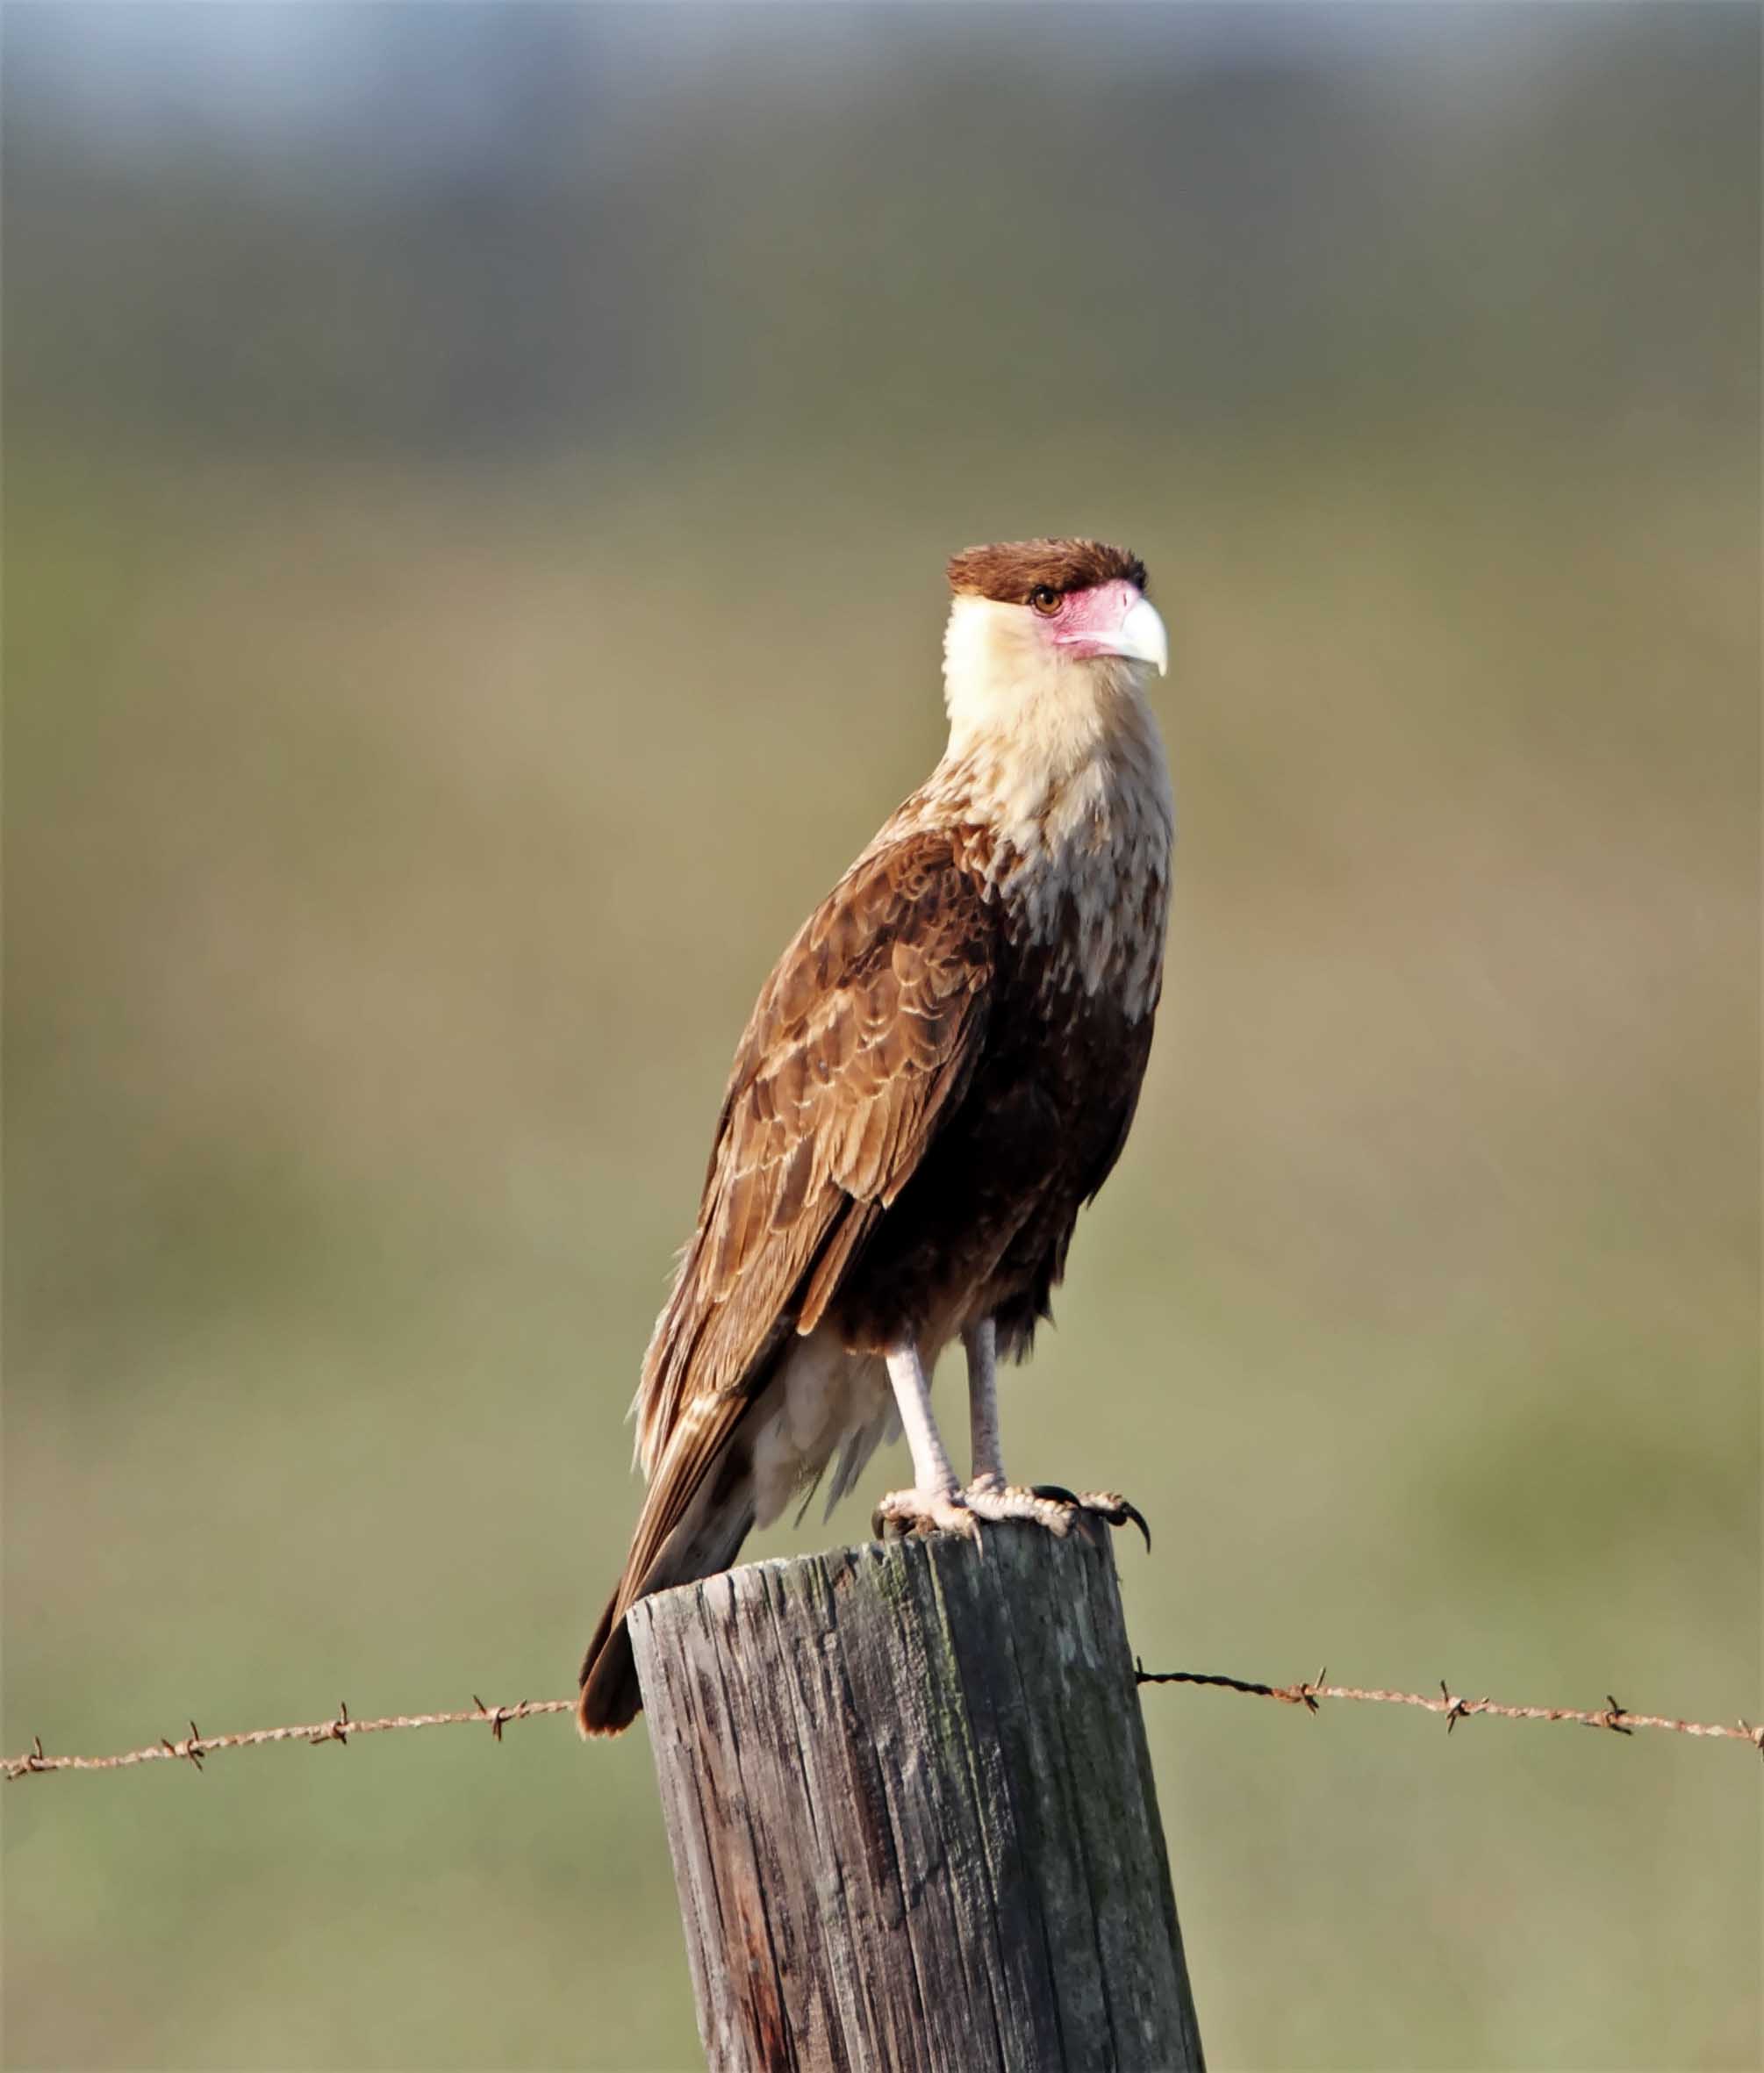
(1087, 621)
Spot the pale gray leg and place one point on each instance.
(989, 1493)
(981, 1344)
(934, 1503)
(989, 1496)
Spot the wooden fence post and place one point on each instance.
(912, 1815)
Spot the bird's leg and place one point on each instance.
(989, 1496)
(934, 1503)
(981, 1343)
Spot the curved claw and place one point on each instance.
(1131, 1511)
(1058, 1492)
(1103, 1504)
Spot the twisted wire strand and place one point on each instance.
(195, 1747)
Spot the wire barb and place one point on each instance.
(334, 1731)
(1613, 1716)
(499, 1716)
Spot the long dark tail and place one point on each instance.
(699, 1511)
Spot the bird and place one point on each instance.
(940, 1072)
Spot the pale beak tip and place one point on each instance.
(1142, 636)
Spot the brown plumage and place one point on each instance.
(940, 1069)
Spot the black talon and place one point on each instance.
(1120, 1512)
(1117, 1515)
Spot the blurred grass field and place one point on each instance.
(395, 839)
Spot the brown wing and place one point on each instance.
(862, 1040)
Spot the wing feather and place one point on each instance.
(861, 1042)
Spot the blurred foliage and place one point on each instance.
(476, 482)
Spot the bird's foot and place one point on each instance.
(924, 1512)
(1050, 1506)
(997, 1502)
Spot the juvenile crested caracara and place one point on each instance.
(939, 1073)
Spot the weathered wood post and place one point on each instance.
(912, 1815)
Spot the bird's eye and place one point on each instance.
(1044, 598)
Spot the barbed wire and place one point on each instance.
(194, 1747)
(1612, 1716)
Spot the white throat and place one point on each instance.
(1062, 759)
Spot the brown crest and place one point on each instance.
(1008, 572)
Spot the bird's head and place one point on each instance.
(1046, 633)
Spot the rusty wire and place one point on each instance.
(194, 1747)
(1612, 1716)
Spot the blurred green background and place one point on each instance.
(476, 486)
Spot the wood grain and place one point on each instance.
(911, 1812)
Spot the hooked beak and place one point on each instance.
(1141, 637)
(1113, 620)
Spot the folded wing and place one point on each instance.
(862, 1041)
